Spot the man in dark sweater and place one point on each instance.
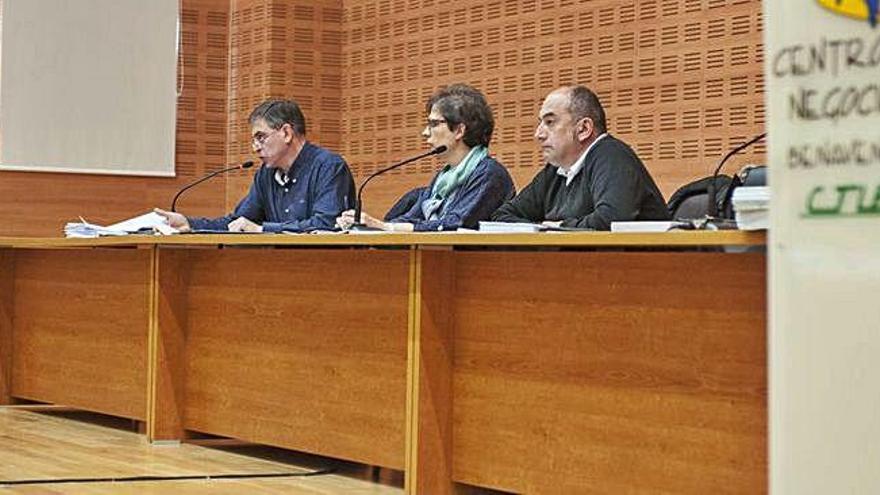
(591, 178)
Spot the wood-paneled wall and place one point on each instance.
(681, 81)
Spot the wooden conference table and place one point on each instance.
(537, 363)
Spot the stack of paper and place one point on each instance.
(150, 222)
(86, 229)
(751, 206)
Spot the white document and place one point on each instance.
(511, 227)
(148, 221)
(646, 226)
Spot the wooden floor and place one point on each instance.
(96, 455)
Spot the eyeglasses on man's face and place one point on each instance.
(260, 137)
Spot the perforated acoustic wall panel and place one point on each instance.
(289, 49)
(681, 80)
(203, 75)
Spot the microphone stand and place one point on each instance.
(358, 207)
(712, 205)
(247, 164)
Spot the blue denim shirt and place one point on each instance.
(318, 189)
(485, 189)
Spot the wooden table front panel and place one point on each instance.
(80, 325)
(610, 372)
(7, 283)
(303, 349)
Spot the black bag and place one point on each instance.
(690, 200)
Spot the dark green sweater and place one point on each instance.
(613, 185)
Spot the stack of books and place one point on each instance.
(751, 207)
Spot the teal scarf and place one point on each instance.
(452, 177)
(449, 179)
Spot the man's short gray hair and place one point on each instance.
(277, 112)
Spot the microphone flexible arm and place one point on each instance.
(712, 206)
(358, 203)
(247, 164)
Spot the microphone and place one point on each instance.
(247, 164)
(712, 206)
(358, 207)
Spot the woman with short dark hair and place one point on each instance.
(471, 185)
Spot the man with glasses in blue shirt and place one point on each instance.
(300, 187)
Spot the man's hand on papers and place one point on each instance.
(175, 220)
(550, 223)
(242, 224)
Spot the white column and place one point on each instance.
(823, 100)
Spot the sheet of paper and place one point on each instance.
(146, 221)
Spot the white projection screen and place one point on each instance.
(88, 86)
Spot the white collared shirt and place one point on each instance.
(281, 178)
(572, 171)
